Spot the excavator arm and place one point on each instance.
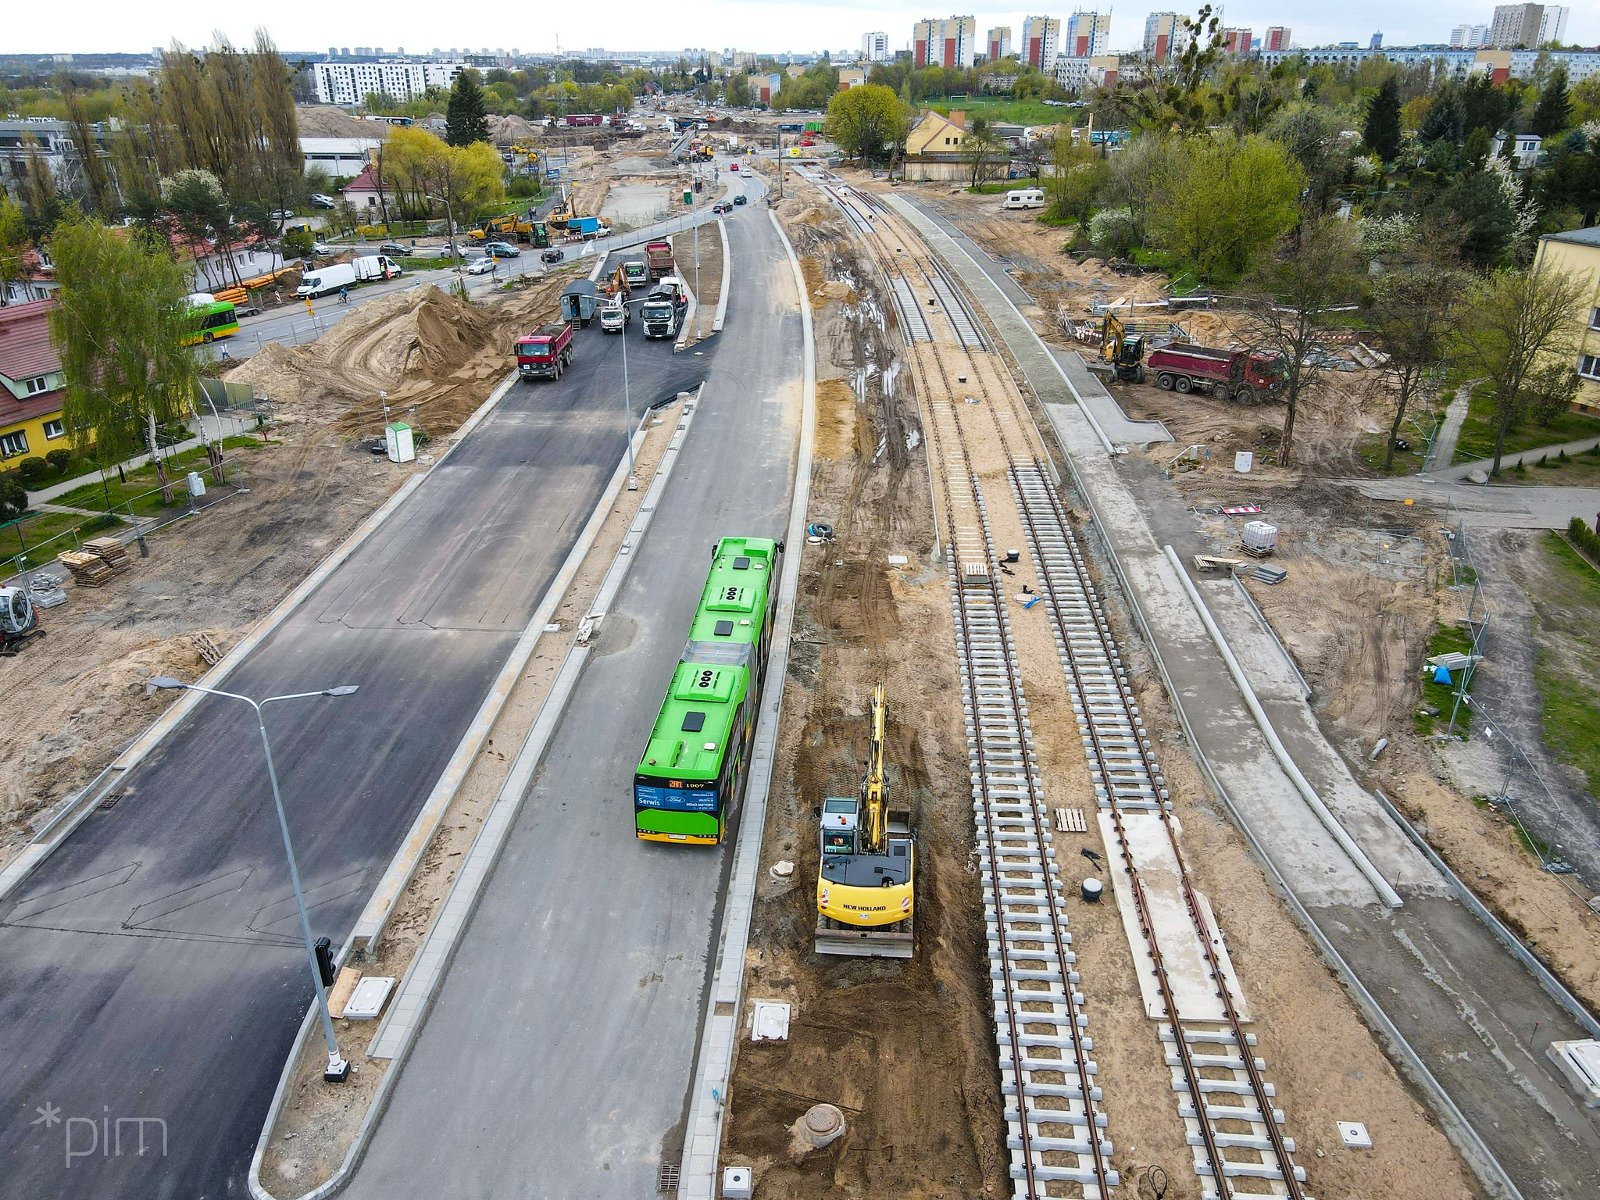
(874, 797)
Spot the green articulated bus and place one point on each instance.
(693, 769)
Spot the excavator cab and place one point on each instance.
(868, 863)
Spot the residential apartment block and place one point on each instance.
(1041, 40)
(1088, 34)
(1277, 37)
(349, 83)
(998, 40)
(1164, 35)
(951, 42)
(875, 47)
(1577, 253)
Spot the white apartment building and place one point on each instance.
(951, 42)
(348, 84)
(875, 47)
(1088, 34)
(1164, 35)
(1041, 41)
(998, 41)
(1469, 37)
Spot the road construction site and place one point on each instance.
(859, 600)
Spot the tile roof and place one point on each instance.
(25, 346)
(367, 181)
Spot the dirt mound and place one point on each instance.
(326, 121)
(503, 131)
(431, 351)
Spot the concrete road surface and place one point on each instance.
(558, 1056)
(151, 968)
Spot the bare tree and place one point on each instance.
(1412, 314)
(1520, 331)
(1294, 297)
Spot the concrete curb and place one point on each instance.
(375, 916)
(1302, 785)
(720, 1026)
(925, 225)
(1553, 987)
(420, 984)
(1457, 1127)
(727, 264)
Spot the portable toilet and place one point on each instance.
(397, 440)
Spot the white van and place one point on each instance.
(324, 280)
(1025, 198)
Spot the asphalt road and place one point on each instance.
(151, 968)
(558, 1056)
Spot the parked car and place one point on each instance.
(321, 249)
(501, 249)
(398, 248)
(320, 200)
(740, 199)
(479, 266)
(281, 214)
(721, 206)
(552, 255)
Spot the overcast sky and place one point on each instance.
(116, 25)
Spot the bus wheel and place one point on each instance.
(206, 336)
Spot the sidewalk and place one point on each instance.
(213, 427)
(1444, 446)
(1462, 470)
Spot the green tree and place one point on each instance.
(1478, 203)
(739, 89)
(1553, 112)
(1446, 120)
(1294, 296)
(1077, 177)
(982, 147)
(867, 122)
(466, 119)
(14, 244)
(1227, 200)
(1381, 130)
(1141, 176)
(1310, 134)
(1412, 317)
(1514, 324)
(120, 326)
(1572, 181)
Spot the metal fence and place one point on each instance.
(1521, 778)
(133, 514)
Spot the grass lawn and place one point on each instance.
(1011, 112)
(1477, 432)
(1443, 695)
(1570, 700)
(43, 530)
(139, 490)
(1576, 470)
(1406, 462)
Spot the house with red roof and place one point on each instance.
(362, 191)
(31, 384)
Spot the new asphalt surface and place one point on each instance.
(558, 1055)
(152, 971)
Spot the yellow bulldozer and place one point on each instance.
(867, 869)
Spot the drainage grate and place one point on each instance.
(110, 801)
(667, 1179)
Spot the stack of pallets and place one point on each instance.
(100, 560)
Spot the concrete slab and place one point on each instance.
(1188, 974)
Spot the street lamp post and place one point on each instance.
(450, 223)
(338, 1068)
(627, 399)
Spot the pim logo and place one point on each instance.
(107, 1137)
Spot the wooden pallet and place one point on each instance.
(88, 570)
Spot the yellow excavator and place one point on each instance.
(866, 876)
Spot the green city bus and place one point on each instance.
(696, 761)
(217, 319)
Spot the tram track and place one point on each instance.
(1224, 1100)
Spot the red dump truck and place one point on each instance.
(659, 257)
(545, 353)
(1226, 374)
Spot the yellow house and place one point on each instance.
(31, 384)
(1577, 253)
(935, 148)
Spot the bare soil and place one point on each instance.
(903, 1048)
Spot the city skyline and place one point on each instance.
(801, 28)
